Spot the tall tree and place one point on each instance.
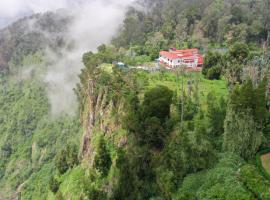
(242, 134)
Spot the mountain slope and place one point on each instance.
(31, 34)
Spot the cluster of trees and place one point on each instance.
(29, 137)
(219, 182)
(255, 182)
(212, 66)
(246, 119)
(180, 23)
(151, 166)
(67, 158)
(230, 64)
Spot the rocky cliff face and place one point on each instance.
(104, 109)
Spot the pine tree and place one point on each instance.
(246, 97)
(260, 102)
(242, 135)
(216, 112)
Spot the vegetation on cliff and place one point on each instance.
(168, 135)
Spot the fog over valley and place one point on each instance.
(92, 23)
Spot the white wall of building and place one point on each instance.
(178, 62)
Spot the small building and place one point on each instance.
(191, 58)
(120, 65)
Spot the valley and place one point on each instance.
(148, 100)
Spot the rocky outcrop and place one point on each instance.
(101, 115)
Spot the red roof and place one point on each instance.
(185, 54)
(169, 55)
(191, 51)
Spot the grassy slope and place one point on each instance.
(171, 80)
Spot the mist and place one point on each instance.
(94, 23)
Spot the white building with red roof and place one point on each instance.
(191, 58)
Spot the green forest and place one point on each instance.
(138, 134)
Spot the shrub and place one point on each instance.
(239, 51)
(59, 196)
(67, 158)
(214, 73)
(212, 60)
(61, 162)
(54, 185)
(102, 160)
(255, 182)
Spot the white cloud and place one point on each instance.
(95, 22)
(14, 8)
(11, 10)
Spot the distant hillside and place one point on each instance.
(30, 34)
(28, 145)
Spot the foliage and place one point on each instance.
(67, 158)
(211, 65)
(239, 51)
(79, 184)
(29, 139)
(216, 113)
(102, 160)
(222, 181)
(245, 119)
(54, 184)
(36, 186)
(259, 164)
(214, 73)
(190, 107)
(157, 103)
(182, 24)
(125, 188)
(255, 182)
(242, 135)
(242, 100)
